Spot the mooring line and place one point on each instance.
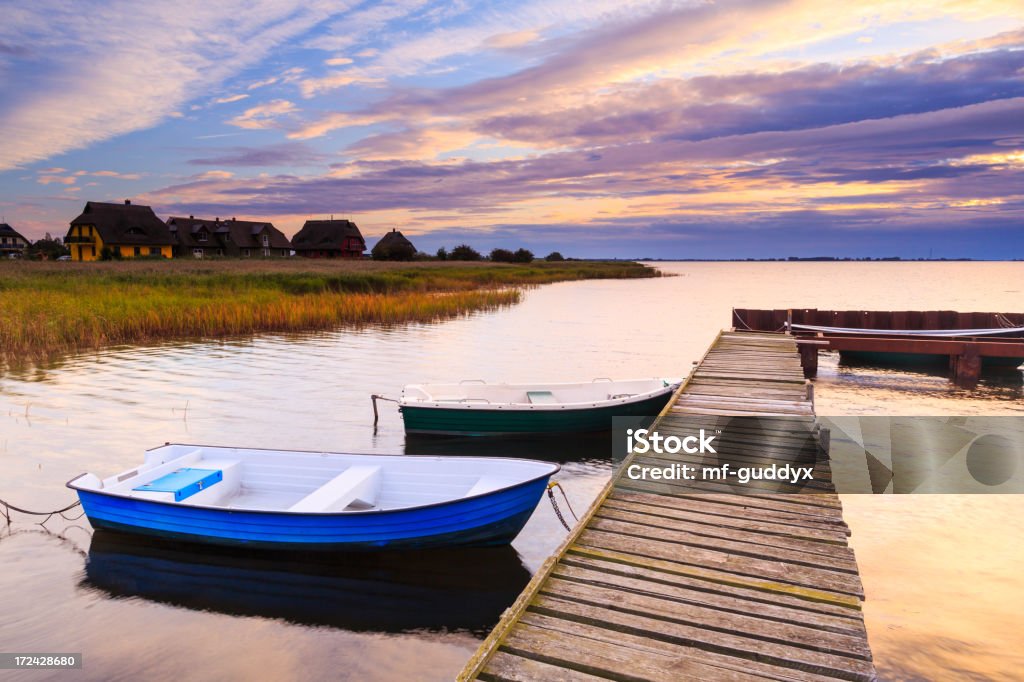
(558, 512)
(7, 508)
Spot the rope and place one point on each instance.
(7, 508)
(554, 505)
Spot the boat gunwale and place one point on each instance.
(178, 505)
(532, 407)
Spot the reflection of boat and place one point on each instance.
(315, 500)
(481, 409)
(561, 448)
(386, 592)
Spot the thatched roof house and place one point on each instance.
(393, 246)
(199, 238)
(329, 239)
(125, 230)
(11, 242)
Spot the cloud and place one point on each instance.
(62, 176)
(285, 154)
(215, 175)
(337, 61)
(311, 87)
(263, 115)
(55, 179)
(230, 98)
(83, 84)
(512, 40)
(832, 168)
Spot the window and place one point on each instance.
(90, 230)
(201, 237)
(154, 251)
(266, 252)
(197, 253)
(246, 253)
(138, 250)
(266, 240)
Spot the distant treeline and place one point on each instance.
(468, 253)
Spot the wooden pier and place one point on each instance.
(879, 335)
(664, 581)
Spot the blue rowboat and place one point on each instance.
(481, 409)
(280, 499)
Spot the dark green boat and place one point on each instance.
(481, 409)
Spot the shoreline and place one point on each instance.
(47, 309)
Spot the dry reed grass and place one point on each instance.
(52, 308)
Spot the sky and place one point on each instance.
(625, 128)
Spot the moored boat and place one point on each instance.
(476, 408)
(292, 500)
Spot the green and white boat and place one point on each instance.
(476, 408)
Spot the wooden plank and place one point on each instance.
(776, 571)
(714, 621)
(728, 594)
(506, 667)
(728, 666)
(754, 523)
(710, 534)
(598, 576)
(607, 659)
(745, 647)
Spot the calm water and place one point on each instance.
(941, 572)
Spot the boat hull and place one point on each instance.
(487, 520)
(480, 421)
(923, 359)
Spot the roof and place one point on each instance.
(8, 231)
(244, 233)
(395, 244)
(394, 238)
(327, 234)
(125, 223)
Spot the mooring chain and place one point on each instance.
(554, 504)
(6, 508)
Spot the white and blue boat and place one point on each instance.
(292, 500)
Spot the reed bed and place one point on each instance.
(52, 308)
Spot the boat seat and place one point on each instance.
(179, 484)
(541, 397)
(357, 483)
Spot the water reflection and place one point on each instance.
(443, 590)
(580, 448)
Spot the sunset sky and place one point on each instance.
(757, 128)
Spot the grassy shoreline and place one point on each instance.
(51, 308)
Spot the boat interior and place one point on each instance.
(308, 482)
(470, 393)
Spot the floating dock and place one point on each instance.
(663, 581)
(879, 336)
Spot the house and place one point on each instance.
(120, 230)
(201, 238)
(393, 246)
(12, 244)
(329, 239)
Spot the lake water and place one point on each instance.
(942, 573)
